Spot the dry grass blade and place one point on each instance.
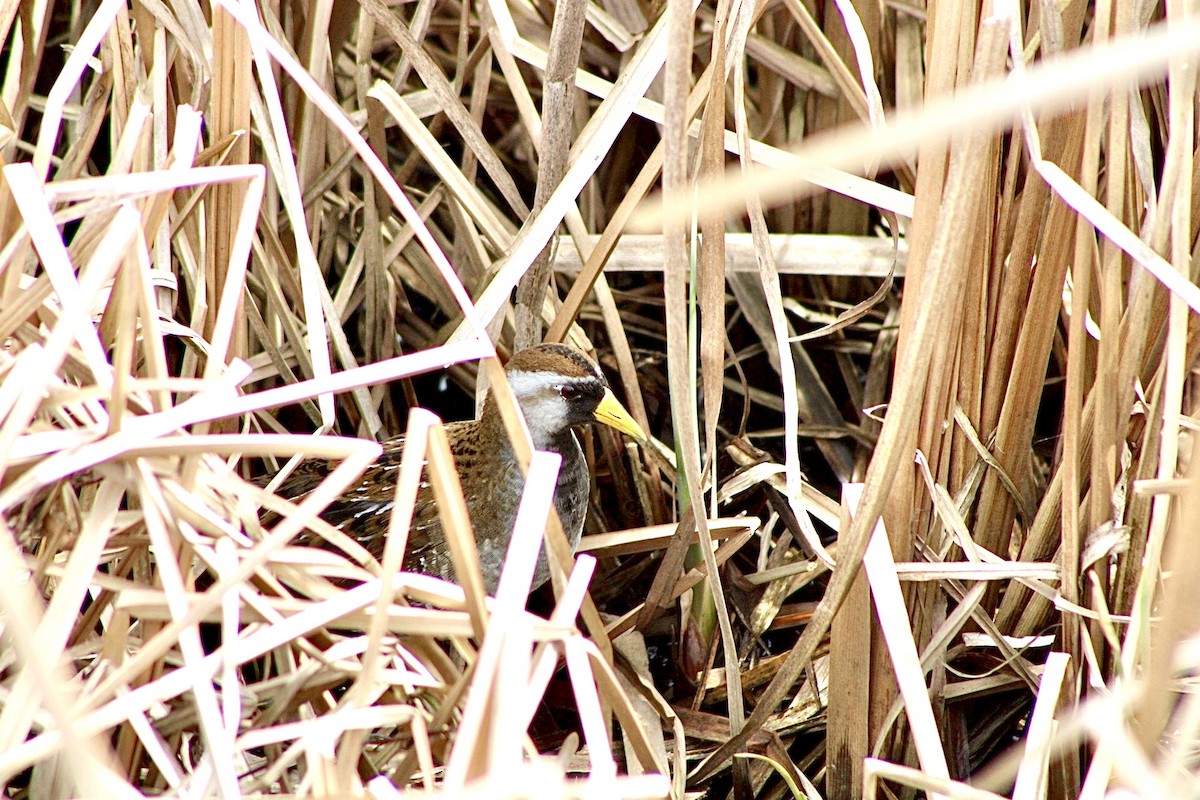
(566, 38)
(986, 108)
(592, 142)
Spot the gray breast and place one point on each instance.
(570, 500)
(571, 495)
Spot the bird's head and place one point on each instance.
(558, 388)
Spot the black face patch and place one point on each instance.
(586, 394)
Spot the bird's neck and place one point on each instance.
(491, 423)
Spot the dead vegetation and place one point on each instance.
(922, 270)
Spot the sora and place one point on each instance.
(558, 388)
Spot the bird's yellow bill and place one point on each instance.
(613, 414)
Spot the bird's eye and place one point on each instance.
(568, 391)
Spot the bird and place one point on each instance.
(558, 389)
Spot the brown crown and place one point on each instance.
(559, 358)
